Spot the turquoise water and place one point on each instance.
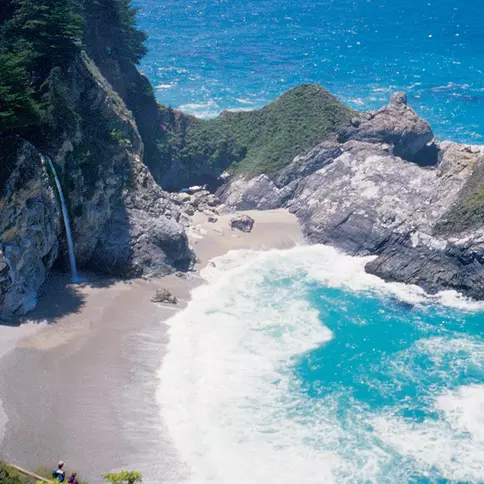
(296, 366)
(209, 55)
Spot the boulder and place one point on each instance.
(243, 222)
(164, 296)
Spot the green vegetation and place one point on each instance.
(18, 107)
(468, 211)
(266, 140)
(8, 476)
(42, 34)
(124, 477)
(40, 40)
(111, 31)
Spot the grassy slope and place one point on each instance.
(266, 140)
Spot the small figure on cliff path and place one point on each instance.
(59, 473)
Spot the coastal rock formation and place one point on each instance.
(397, 125)
(386, 188)
(123, 223)
(29, 228)
(243, 222)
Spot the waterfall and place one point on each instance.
(65, 215)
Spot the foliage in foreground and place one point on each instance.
(9, 476)
(123, 477)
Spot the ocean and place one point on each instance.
(296, 366)
(209, 55)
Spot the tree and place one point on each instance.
(44, 34)
(18, 107)
(123, 477)
(111, 31)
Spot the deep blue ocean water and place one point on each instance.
(298, 367)
(210, 55)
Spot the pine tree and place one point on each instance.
(18, 107)
(44, 34)
(111, 31)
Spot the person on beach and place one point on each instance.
(73, 479)
(59, 473)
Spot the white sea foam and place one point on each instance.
(226, 383)
(165, 86)
(207, 110)
(453, 444)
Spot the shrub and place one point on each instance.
(123, 477)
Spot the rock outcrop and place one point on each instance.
(29, 228)
(388, 189)
(396, 125)
(242, 222)
(123, 223)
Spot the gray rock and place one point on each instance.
(397, 125)
(243, 222)
(212, 219)
(29, 232)
(190, 211)
(164, 296)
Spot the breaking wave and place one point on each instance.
(297, 366)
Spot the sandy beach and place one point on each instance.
(78, 377)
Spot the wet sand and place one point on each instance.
(78, 383)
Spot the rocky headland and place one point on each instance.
(386, 187)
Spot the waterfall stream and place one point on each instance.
(65, 215)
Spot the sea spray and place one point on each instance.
(297, 366)
(65, 216)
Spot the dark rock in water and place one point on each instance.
(244, 223)
(164, 296)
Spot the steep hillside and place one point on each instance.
(254, 142)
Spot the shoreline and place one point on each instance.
(81, 386)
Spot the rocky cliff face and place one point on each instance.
(123, 223)
(29, 228)
(386, 188)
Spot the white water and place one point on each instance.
(67, 225)
(226, 388)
